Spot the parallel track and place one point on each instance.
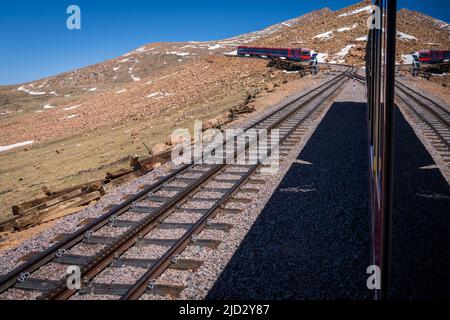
(186, 184)
(429, 113)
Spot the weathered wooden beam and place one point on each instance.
(93, 185)
(51, 195)
(53, 202)
(162, 157)
(123, 179)
(119, 173)
(8, 225)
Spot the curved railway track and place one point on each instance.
(193, 194)
(358, 77)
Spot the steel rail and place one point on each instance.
(413, 95)
(132, 236)
(424, 97)
(424, 120)
(46, 256)
(77, 237)
(140, 286)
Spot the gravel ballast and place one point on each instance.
(9, 258)
(421, 221)
(311, 240)
(71, 223)
(215, 260)
(420, 131)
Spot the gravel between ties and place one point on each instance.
(9, 259)
(215, 260)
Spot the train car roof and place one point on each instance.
(437, 50)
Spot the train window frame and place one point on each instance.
(380, 77)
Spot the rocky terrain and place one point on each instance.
(204, 81)
(341, 36)
(73, 125)
(338, 37)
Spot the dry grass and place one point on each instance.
(87, 157)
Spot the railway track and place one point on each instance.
(431, 117)
(358, 77)
(145, 235)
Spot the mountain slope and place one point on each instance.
(341, 36)
(152, 60)
(88, 120)
(127, 81)
(155, 57)
(426, 32)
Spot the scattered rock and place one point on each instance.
(159, 148)
(157, 165)
(211, 123)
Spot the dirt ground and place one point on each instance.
(86, 157)
(10, 240)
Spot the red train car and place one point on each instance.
(295, 54)
(433, 56)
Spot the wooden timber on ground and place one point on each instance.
(59, 203)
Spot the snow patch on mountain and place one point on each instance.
(343, 29)
(324, 36)
(135, 78)
(181, 54)
(158, 95)
(232, 53)
(15, 145)
(30, 92)
(407, 59)
(343, 53)
(215, 47)
(356, 11)
(322, 57)
(71, 108)
(69, 117)
(329, 34)
(404, 36)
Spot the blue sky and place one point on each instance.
(35, 42)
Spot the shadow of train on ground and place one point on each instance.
(312, 240)
(421, 221)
